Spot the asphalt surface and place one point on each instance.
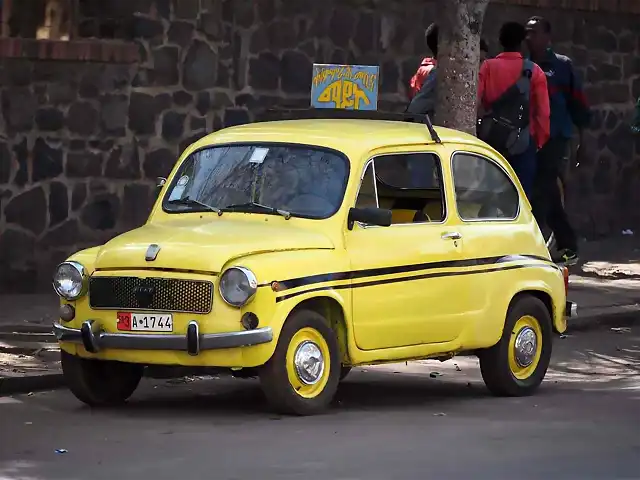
(422, 420)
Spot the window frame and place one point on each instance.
(182, 159)
(455, 193)
(443, 189)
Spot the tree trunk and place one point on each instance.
(460, 24)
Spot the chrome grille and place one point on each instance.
(165, 294)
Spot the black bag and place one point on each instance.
(506, 125)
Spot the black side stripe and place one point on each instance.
(375, 272)
(385, 281)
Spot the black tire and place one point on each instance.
(344, 372)
(100, 383)
(497, 364)
(282, 394)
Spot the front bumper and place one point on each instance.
(571, 309)
(94, 339)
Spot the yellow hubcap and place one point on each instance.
(308, 362)
(525, 347)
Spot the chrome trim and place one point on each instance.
(85, 280)
(309, 363)
(525, 347)
(571, 309)
(152, 252)
(455, 196)
(141, 341)
(193, 331)
(443, 189)
(251, 278)
(451, 236)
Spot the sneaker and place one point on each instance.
(566, 257)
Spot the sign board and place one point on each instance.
(350, 87)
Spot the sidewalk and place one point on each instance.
(605, 285)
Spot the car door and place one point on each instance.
(403, 293)
(488, 205)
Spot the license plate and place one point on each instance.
(145, 322)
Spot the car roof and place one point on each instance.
(350, 136)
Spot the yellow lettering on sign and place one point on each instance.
(345, 94)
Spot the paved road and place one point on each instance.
(391, 422)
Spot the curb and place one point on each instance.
(595, 318)
(31, 383)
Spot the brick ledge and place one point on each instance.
(108, 51)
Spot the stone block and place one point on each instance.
(102, 212)
(186, 9)
(182, 98)
(124, 162)
(82, 118)
(78, 196)
(296, 70)
(147, 28)
(158, 163)
(114, 114)
(181, 33)
(47, 161)
(58, 203)
(200, 67)
(84, 164)
(21, 152)
(5, 163)
(142, 113)
(28, 210)
(173, 125)
(65, 234)
(19, 106)
(264, 72)
(165, 65)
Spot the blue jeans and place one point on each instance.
(524, 165)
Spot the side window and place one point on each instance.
(408, 184)
(483, 190)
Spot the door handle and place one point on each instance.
(451, 236)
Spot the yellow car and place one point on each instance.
(294, 250)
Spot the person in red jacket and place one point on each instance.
(428, 64)
(499, 74)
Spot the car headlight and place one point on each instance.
(238, 286)
(70, 280)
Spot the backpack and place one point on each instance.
(506, 125)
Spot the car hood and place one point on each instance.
(204, 245)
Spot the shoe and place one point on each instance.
(566, 257)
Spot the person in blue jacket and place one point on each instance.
(569, 108)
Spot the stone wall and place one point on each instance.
(83, 141)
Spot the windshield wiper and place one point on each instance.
(253, 207)
(193, 201)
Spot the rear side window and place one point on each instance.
(483, 190)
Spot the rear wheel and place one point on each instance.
(100, 383)
(517, 364)
(302, 376)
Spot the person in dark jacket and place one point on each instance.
(568, 108)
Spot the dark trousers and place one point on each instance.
(524, 165)
(547, 202)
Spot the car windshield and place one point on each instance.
(296, 180)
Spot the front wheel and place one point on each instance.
(100, 383)
(517, 364)
(302, 376)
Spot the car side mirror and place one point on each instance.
(369, 216)
(160, 182)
